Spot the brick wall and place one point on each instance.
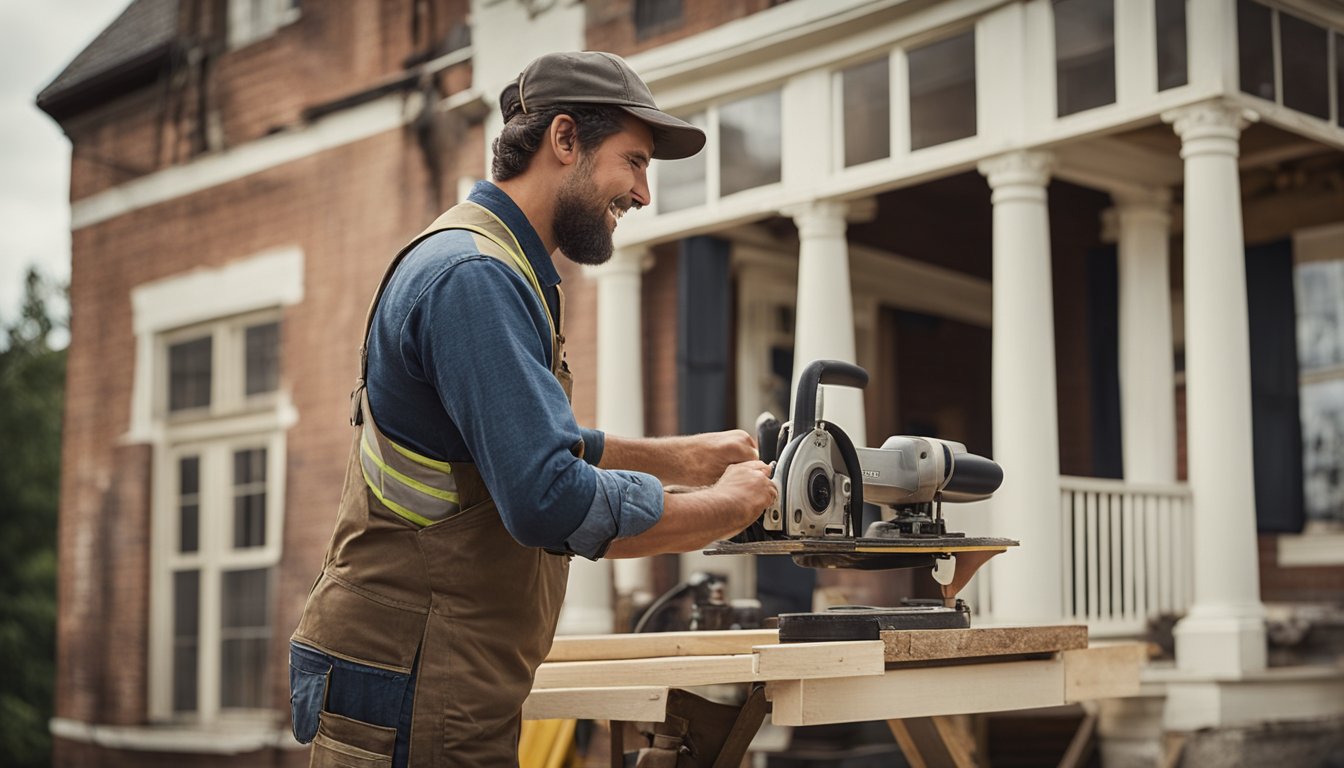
(349, 209)
(658, 302)
(1287, 584)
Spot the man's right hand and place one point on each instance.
(698, 518)
(747, 490)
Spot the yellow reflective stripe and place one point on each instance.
(423, 461)
(394, 506)
(428, 490)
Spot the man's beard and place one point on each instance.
(580, 223)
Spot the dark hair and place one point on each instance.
(523, 133)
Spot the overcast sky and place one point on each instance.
(37, 40)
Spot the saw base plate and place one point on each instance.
(867, 554)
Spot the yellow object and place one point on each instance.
(546, 744)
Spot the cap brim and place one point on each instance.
(673, 138)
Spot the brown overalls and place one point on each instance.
(477, 607)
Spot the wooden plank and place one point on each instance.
(642, 703)
(769, 662)
(919, 692)
(938, 644)
(1103, 671)
(808, 660)
(658, 644)
(672, 671)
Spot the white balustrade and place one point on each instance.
(1126, 550)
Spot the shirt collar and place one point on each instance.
(494, 199)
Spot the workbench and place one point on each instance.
(913, 679)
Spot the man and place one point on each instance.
(470, 485)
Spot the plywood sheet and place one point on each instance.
(918, 645)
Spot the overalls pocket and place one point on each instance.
(308, 676)
(345, 743)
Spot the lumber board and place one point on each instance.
(637, 703)
(658, 644)
(904, 692)
(1103, 671)
(768, 662)
(915, 645)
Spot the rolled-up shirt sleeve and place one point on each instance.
(478, 332)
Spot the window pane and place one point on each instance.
(1255, 49)
(263, 358)
(1171, 44)
(942, 91)
(867, 118)
(189, 374)
(655, 16)
(1320, 315)
(249, 498)
(1339, 79)
(245, 633)
(1084, 54)
(186, 629)
(749, 143)
(188, 503)
(681, 183)
(1306, 66)
(1322, 410)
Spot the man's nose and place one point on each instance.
(640, 194)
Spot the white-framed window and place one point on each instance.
(218, 511)
(252, 20)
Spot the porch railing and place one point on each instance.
(1126, 550)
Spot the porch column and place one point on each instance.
(1147, 382)
(620, 376)
(824, 320)
(1223, 634)
(588, 605)
(1025, 582)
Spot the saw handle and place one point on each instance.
(818, 372)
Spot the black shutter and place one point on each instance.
(1103, 337)
(703, 285)
(1275, 420)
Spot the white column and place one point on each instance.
(1223, 634)
(824, 320)
(1147, 382)
(620, 411)
(1026, 581)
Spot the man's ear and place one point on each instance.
(564, 139)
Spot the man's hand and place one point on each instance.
(693, 520)
(691, 460)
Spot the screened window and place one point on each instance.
(1255, 49)
(1172, 66)
(262, 357)
(1084, 55)
(186, 638)
(245, 632)
(189, 374)
(942, 91)
(249, 498)
(189, 504)
(1305, 48)
(750, 142)
(866, 100)
(654, 17)
(1320, 350)
(681, 183)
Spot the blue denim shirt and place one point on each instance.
(460, 370)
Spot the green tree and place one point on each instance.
(32, 387)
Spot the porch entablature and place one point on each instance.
(840, 100)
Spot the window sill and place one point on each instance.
(1316, 546)
(231, 739)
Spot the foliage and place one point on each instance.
(32, 386)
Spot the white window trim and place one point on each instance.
(245, 29)
(269, 279)
(161, 311)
